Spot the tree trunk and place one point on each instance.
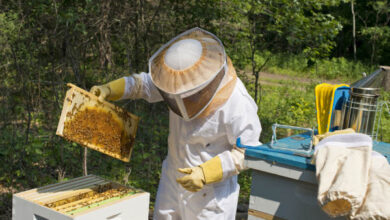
(254, 69)
(256, 86)
(373, 51)
(353, 29)
(85, 169)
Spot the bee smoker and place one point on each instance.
(360, 110)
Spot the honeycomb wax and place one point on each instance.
(93, 125)
(85, 200)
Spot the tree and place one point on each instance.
(353, 29)
(376, 27)
(282, 26)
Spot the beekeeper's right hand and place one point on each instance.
(111, 91)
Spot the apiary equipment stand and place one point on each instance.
(284, 186)
(30, 204)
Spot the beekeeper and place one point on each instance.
(209, 109)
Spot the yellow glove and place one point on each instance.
(206, 173)
(194, 181)
(111, 91)
(319, 137)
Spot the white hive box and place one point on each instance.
(89, 197)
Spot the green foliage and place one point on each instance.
(297, 108)
(372, 21)
(384, 126)
(245, 180)
(379, 37)
(325, 68)
(9, 29)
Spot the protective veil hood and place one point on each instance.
(189, 70)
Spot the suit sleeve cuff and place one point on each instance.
(212, 170)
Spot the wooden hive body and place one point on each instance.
(81, 199)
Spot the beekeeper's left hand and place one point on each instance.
(206, 173)
(194, 180)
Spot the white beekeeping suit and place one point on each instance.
(209, 109)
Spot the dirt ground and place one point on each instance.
(270, 78)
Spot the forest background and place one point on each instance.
(280, 48)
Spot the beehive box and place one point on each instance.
(88, 197)
(97, 124)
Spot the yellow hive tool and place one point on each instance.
(328, 98)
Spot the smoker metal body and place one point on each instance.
(360, 110)
(31, 204)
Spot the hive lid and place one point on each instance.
(97, 124)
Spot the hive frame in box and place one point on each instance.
(131, 121)
(30, 204)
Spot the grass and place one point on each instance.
(329, 69)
